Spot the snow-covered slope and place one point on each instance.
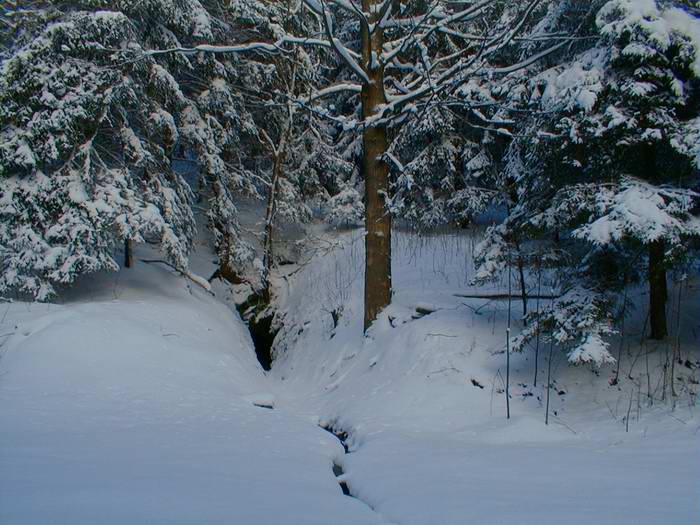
(423, 402)
(132, 403)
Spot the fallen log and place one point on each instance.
(503, 296)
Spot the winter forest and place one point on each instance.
(353, 262)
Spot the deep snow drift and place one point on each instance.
(133, 402)
(423, 401)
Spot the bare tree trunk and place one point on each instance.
(658, 292)
(269, 220)
(521, 271)
(376, 171)
(128, 253)
(279, 155)
(537, 320)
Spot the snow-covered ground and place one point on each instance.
(423, 402)
(132, 401)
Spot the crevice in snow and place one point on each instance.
(338, 472)
(342, 435)
(338, 469)
(263, 335)
(259, 320)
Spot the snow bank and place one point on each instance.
(133, 403)
(422, 399)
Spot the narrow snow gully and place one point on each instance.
(259, 319)
(263, 336)
(339, 471)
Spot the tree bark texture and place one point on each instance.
(376, 171)
(128, 253)
(269, 221)
(658, 292)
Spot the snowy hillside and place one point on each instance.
(423, 402)
(354, 262)
(133, 401)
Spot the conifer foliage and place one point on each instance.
(91, 129)
(605, 171)
(79, 169)
(580, 118)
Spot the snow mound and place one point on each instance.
(131, 404)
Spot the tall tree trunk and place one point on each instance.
(279, 155)
(658, 292)
(376, 171)
(521, 272)
(128, 253)
(269, 220)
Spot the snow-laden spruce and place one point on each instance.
(604, 175)
(79, 171)
(101, 145)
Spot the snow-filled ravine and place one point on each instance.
(133, 403)
(138, 400)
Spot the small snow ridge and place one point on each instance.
(338, 469)
(261, 400)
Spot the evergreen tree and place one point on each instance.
(83, 153)
(92, 130)
(604, 171)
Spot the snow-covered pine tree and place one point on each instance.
(443, 169)
(647, 139)
(79, 172)
(496, 108)
(91, 129)
(605, 170)
(449, 164)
